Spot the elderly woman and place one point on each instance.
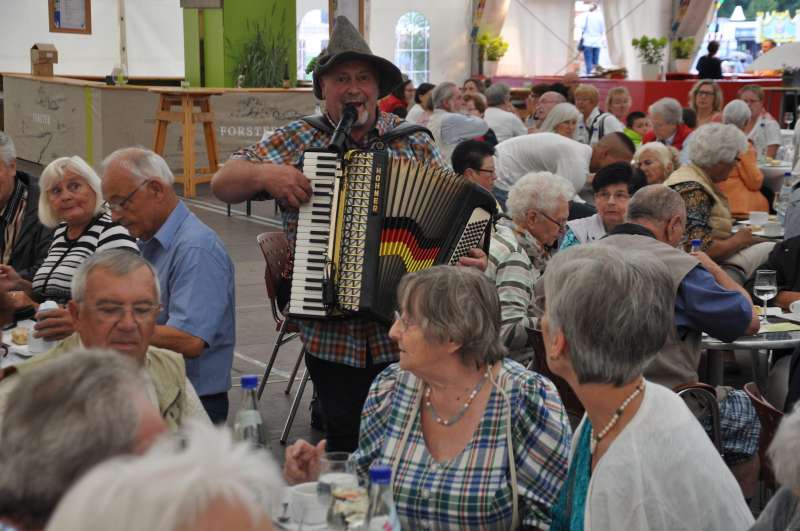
(783, 510)
(474, 440)
(594, 123)
(656, 160)
(562, 120)
(666, 115)
(72, 203)
(761, 129)
(706, 100)
(743, 185)
(612, 187)
(618, 103)
(639, 458)
(713, 151)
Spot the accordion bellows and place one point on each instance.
(383, 218)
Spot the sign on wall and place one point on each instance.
(70, 16)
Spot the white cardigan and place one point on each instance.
(663, 473)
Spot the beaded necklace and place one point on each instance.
(455, 418)
(617, 414)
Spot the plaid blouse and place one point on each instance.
(471, 490)
(339, 341)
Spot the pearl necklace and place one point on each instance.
(455, 418)
(617, 414)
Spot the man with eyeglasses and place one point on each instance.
(115, 301)
(197, 317)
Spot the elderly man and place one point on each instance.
(106, 286)
(557, 154)
(707, 300)
(666, 115)
(504, 123)
(448, 126)
(24, 241)
(595, 124)
(345, 355)
(546, 102)
(197, 317)
(62, 420)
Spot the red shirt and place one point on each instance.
(391, 103)
(677, 141)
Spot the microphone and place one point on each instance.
(349, 116)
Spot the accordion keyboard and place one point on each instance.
(313, 235)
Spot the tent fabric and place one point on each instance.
(630, 19)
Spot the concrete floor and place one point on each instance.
(255, 328)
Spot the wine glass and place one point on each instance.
(765, 288)
(788, 118)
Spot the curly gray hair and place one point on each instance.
(670, 110)
(538, 191)
(736, 113)
(713, 143)
(784, 452)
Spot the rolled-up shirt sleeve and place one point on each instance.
(702, 304)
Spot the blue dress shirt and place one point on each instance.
(197, 294)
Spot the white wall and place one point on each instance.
(450, 22)
(154, 35)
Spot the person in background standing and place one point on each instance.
(767, 45)
(593, 30)
(709, 66)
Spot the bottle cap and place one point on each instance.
(249, 381)
(380, 474)
(696, 243)
(48, 305)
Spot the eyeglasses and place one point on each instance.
(481, 170)
(117, 206)
(71, 187)
(561, 226)
(618, 196)
(113, 313)
(403, 322)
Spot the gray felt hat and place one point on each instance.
(347, 44)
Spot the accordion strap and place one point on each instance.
(404, 129)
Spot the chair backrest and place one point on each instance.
(778, 382)
(770, 417)
(275, 248)
(702, 401)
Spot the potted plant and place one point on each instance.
(651, 52)
(491, 49)
(682, 50)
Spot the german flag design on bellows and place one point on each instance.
(401, 237)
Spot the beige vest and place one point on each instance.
(166, 368)
(676, 363)
(720, 220)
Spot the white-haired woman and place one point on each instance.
(562, 119)
(666, 115)
(640, 459)
(72, 203)
(743, 185)
(783, 510)
(203, 480)
(474, 440)
(762, 128)
(713, 150)
(656, 160)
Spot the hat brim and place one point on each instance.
(389, 76)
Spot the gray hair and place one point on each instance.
(62, 419)
(563, 112)
(142, 163)
(670, 110)
(442, 93)
(8, 153)
(714, 143)
(615, 310)
(655, 202)
(119, 262)
(537, 191)
(737, 113)
(439, 298)
(175, 482)
(784, 452)
(667, 155)
(54, 173)
(497, 94)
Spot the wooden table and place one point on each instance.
(188, 100)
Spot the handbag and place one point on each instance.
(581, 47)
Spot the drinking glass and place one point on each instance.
(336, 469)
(788, 118)
(765, 288)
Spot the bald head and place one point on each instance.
(546, 102)
(613, 147)
(660, 209)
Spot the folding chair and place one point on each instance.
(702, 399)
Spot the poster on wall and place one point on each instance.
(70, 16)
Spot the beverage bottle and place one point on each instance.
(696, 245)
(782, 201)
(38, 344)
(381, 512)
(249, 425)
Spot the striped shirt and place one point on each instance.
(473, 489)
(343, 341)
(54, 278)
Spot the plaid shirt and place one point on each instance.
(340, 341)
(473, 489)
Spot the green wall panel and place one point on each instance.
(191, 47)
(214, 48)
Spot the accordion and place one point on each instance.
(372, 219)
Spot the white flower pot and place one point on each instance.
(683, 65)
(651, 72)
(489, 68)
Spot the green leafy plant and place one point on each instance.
(312, 63)
(492, 48)
(683, 48)
(650, 49)
(263, 60)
